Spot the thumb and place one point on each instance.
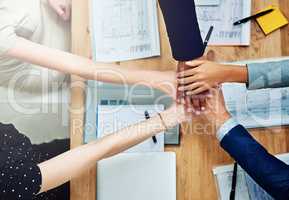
(59, 10)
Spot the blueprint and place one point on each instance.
(246, 188)
(222, 18)
(207, 2)
(258, 108)
(124, 30)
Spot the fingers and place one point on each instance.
(67, 12)
(197, 91)
(188, 80)
(196, 106)
(190, 87)
(58, 9)
(195, 63)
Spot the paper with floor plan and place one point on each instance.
(246, 189)
(124, 30)
(207, 2)
(258, 108)
(222, 18)
(110, 119)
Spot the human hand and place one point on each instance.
(62, 8)
(176, 114)
(193, 103)
(216, 110)
(203, 76)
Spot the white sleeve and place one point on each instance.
(8, 36)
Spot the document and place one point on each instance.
(246, 188)
(207, 2)
(124, 30)
(257, 108)
(111, 119)
(222, 18)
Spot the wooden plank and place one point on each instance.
(285, 31)
(83, 187)
(199, 151)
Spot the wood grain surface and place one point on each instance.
(199, 151)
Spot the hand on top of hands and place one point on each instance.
(195, 82)
(62, 8)
(202, 76)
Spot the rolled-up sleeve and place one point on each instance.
(268, 75)
(8, 36)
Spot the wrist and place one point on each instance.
(221, 119)
(170, 119)
(238, 74)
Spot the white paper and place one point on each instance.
(222, 18)
(137, 176)
(223, 177)
(124, 30)
(113, 118)
(207, 2)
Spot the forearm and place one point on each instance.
(235, 73)
(268, 171)
(268, 74)
(72, 64)
(62, 168)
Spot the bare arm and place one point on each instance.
(64, 167)
(205, 75)
(30, 52)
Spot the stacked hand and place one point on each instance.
(196, 81)
(62, 8)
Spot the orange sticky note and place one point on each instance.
(272, 21)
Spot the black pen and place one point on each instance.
(260, 14)
(234, 182)
(147, 116)
(208, 36)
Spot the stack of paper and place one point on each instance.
(110, 119)
(222, 18)
(246, 188)
(124, 30)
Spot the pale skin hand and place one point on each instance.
(68, 63)
(216, 111)
(205, 75)
(62, 8)
(73, 163)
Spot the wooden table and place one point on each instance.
(198, 153)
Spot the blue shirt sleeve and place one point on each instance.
(226, 128)
(269, 172)
(268, 74)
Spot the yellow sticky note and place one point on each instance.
(272, 21)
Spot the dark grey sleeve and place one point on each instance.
(268, 75)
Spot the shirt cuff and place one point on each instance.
(226, 128)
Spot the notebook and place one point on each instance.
(110, 119)
(272, 21)
(137, 176)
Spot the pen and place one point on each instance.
(147, 116)
(234, 182)
(260, 14)
(208, 37)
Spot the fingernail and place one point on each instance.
(198, 112)
(203, 108)
(188, 62)
(180, 88)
